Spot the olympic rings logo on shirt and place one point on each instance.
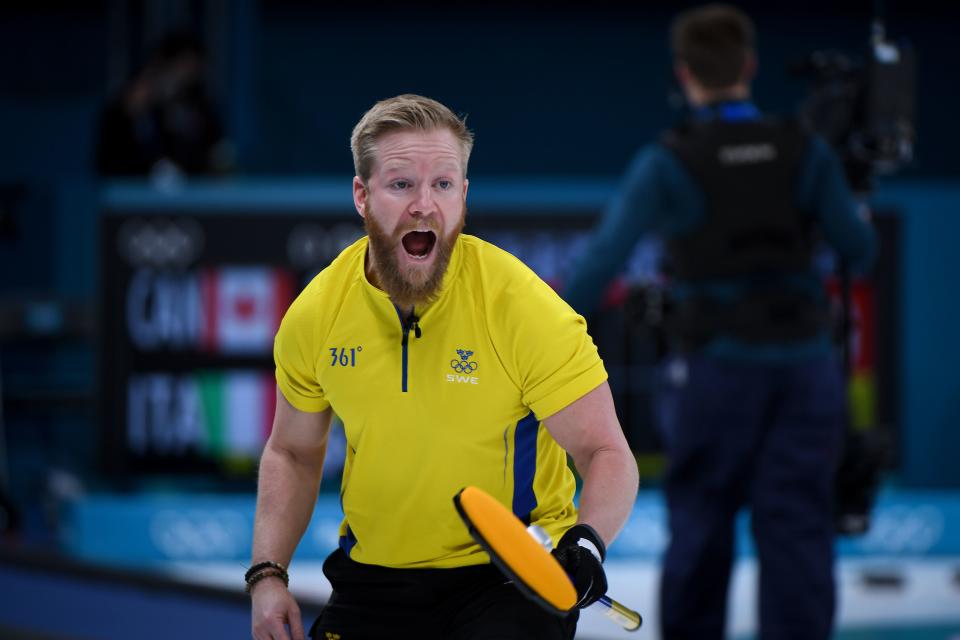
(461, 366)
(464, 364)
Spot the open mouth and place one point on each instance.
(419, 244)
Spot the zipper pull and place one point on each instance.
(413, 322)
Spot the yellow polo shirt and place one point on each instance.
(461, 404)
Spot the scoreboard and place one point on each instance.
(190, 305)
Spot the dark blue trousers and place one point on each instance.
(763, 436)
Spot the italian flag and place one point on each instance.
(238, 411)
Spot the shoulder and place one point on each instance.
(478, 250)
(656, 153)
(509, 289)
(346, 265)
(487, 264)
(650, 165)
(659, 155)
(660, 164)
(324, 294)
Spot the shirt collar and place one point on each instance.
(453, 267)
(728, 111)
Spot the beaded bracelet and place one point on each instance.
(267, 573)
(261, 566)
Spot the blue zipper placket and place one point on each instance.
(413, 322)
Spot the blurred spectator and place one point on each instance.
(751, 404)
(162, 123)
(9, 517)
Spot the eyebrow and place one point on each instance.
(399, 164)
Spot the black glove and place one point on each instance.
(581, 552)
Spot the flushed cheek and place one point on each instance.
(389, 218)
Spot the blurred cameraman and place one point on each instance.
(752, 404)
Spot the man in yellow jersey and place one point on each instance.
(450, 364)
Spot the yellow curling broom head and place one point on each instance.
(521, 558)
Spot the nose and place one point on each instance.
(423, 203)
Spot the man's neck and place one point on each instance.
(700, 97)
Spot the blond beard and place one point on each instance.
(408, 287)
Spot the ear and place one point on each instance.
(359, 195)
(682, 73)
(466, 183)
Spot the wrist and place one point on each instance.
(585, 536)
(262, 571)
(581, 552)
(265, 577)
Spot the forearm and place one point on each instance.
(610, 482)
(632, 212)
(841, 216)
(286, 494)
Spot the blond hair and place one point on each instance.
(407, 112)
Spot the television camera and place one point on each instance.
(863, 109)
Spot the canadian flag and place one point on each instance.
(243, 307)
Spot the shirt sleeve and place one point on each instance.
(295, 351)
(824, 192)
(546, 347)
(655, 195)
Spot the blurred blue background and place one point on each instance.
(559, 96)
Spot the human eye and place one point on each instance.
(444, 185)
(400, 185)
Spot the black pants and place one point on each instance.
(469, 603)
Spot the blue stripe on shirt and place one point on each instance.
(348, 541)
(525, 466)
